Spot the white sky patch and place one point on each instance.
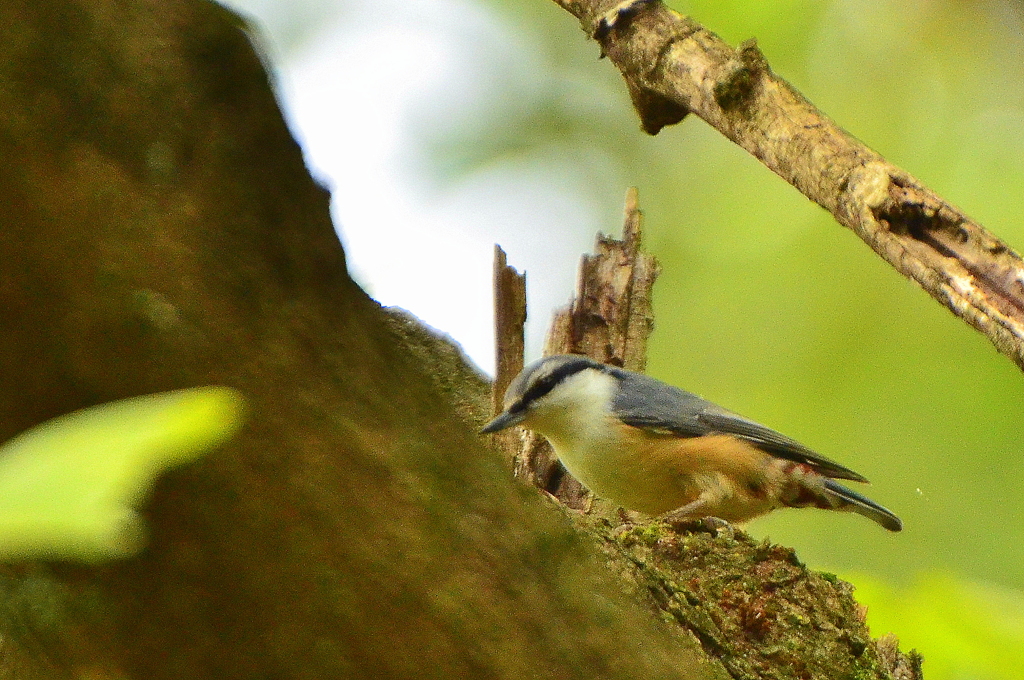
(352, 94)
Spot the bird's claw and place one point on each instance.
(715, 526)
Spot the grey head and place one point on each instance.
(536, 381)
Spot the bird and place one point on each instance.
(651, 447)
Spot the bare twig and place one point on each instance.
(674, 66)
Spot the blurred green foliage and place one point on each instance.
(68, 487)
(966, 630)
(791, 320)
(768, 307)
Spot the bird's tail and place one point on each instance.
(842, 498)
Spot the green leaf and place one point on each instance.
(68, 487)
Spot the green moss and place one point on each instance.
(753, 605)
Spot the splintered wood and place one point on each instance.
(509, 320)
(609, 319)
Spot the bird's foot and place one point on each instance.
(715, 526)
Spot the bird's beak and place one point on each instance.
(503, 420)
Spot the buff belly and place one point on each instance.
(656, 474)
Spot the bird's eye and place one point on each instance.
(538, 389)
(543, 384)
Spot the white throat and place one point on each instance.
(574, 406)
(576, 417)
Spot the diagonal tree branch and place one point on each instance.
(674, 66)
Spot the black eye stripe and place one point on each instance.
(544, 385)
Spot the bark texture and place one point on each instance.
(158, 231)
(673, 66)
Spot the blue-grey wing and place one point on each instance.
(656, 406)
(653, 405)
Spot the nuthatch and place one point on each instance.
(651, 447)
